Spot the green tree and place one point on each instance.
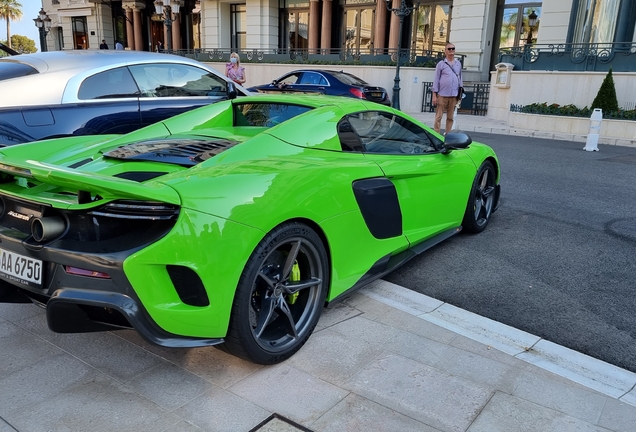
(606, 97)
(10, 10)
(23, 44)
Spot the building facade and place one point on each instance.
(479, 28)
(565, 46)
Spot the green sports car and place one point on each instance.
(233, 224)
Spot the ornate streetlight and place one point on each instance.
(43, 23)
(401, 12)
(532, 20)
(167, 8)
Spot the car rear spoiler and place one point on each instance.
(87, 185)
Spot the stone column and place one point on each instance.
(325, 33)
(314, 29)
(165, 36)
(394, 31)
(379, 39)
(130, 37)
(176, 31)
(134, 24)
(137, 24)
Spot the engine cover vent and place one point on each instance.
(184, 152)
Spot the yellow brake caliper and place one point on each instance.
(294, 277)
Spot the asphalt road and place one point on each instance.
(558, 259)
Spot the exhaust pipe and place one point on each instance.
(47, 228)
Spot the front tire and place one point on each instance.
(280, 295)
(481, 200)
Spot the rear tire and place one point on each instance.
(280, 295)
(481, 200)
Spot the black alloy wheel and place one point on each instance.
(280, 295)
(481, 200)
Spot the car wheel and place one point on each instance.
(280, 295)
(481, 200)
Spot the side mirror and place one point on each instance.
(456, 141)
(274, 82)
(231, 91)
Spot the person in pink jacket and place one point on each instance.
(234, 70)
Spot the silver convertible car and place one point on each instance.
(65, 93)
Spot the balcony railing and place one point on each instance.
(385, 57)
(620, 56)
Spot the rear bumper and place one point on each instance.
(73, 310)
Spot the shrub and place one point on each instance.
(606, 97)
(571, 110)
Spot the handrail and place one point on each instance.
(620, 56)
(378, 57)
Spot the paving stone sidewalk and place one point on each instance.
(386, 359)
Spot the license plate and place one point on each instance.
(376, 95)
(21, 269)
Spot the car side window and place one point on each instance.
(349, 140)
(313, 78)
(289, 79)
(177, 80)
(110, 84)
(265, 114)
(386, 133)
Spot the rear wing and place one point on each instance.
(87, 186)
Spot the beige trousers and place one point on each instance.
(444, 104)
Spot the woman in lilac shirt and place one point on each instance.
(234, 70)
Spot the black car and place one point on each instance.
(334, 83)
(82, 92)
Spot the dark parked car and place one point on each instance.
(83, 92)
(334, 83)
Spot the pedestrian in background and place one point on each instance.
(234, 70)
(446, 87)
(119, 46)
(103, 45)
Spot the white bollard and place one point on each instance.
(595, 128)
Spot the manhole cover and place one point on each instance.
(278, 423)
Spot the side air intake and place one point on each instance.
(188, 285)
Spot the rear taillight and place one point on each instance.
(357, 93)
(83, 272)
(137, 210)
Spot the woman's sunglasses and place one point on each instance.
(451, 49)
